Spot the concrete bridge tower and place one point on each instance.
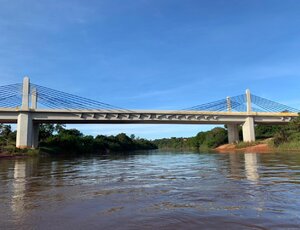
(248, 126)
(233, 128)
(27, 130)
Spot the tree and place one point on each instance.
(295, 124)
(70, 132)
(6, 134)
(215, 137)
(287, 133)
(5, 130)
(47, 130)
(265, 131)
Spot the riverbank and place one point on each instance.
(262, 146)
(18, 153)
(257, 148)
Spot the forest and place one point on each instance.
(56, 139)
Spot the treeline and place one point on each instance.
(60, 140)
(283, 136)
(203, 140)
(57, 139)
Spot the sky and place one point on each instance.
(153, 54)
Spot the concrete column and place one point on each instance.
(25, 93)
(24, 130)
(34, 99)
(248, 130)
(35, 135)
(25, 124)
(249, 103)
(233, 133)
(228, 104)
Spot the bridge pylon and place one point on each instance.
(248, 126)
(27, 130)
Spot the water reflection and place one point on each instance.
(251, 167)
(19, 187)
(243, 165)
(235, 166)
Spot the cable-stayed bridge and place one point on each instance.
(29, 105)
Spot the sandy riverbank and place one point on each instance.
(258, 148)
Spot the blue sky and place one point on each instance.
(153, 54)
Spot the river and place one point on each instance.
(152, 190)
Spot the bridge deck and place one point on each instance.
(10, 115)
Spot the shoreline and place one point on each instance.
(258, 148)
(226, 148)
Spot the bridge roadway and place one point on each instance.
(10, 115)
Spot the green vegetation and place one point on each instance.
(202, 141)
(56, 139)
(266, 131)
(214, 138)
(8, 143)
(288, 137)
(283, 137)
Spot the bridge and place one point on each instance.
(29, 105)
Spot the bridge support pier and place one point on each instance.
(24, 131)
(27, 130)
(233, 133)
(248, 126)
(248, 130)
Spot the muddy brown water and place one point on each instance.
(152, 190)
